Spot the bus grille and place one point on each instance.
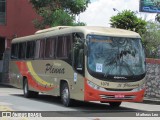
(114, 97)
(118, 89)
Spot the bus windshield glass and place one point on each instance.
(115, 57)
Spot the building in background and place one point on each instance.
(16, 18)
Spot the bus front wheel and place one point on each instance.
(27, 93)
(65, 95)
(115, 104)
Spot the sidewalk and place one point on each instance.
(152, 101)
(5, 108)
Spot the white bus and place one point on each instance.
(80, 63)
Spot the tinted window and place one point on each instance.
(2, 11)
(21, 51)
(14, 51)
(42, 47)
(50, 48)
(63, 46)
(39, 51)
(30, 49)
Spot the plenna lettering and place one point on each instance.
(51, 69)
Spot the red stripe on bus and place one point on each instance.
(24, 72)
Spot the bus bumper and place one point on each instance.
(91, 94)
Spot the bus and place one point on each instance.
(82, 63)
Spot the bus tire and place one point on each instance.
(27, 93)
(115, 104)
(65, 95)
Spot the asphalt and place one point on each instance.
(146, 99)
(5, 86)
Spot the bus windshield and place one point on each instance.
(115, 57)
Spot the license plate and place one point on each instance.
(119, 96)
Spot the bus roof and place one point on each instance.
(62, 30)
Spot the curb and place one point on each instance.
(5, 85)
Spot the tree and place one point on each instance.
(128, 20)
(58, 12)
(151, 39)
(157, 17)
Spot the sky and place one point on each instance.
(99, 12)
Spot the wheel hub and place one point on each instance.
(65, 94)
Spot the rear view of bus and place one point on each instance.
(115, 69)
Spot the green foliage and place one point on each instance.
(58, 12)
(150, 31)
(79, 24)
(151, 39)
(128, 20)
(157, 17)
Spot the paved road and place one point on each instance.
(11, 99)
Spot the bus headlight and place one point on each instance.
(94, 86)
(139, 88)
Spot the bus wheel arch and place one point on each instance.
(24, 78)
(27, 93)
(65, 93)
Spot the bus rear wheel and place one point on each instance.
(115, 104)
(27, 93)
(65, 95)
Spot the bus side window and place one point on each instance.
(80, 59)
(22, 50)
(42, 48)
(39, 49)
(64, 46)
(30, 49)
(50, 48)
(61, 48)
(78, 53)
(14, 51)
(68, 45)
(69, 48)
